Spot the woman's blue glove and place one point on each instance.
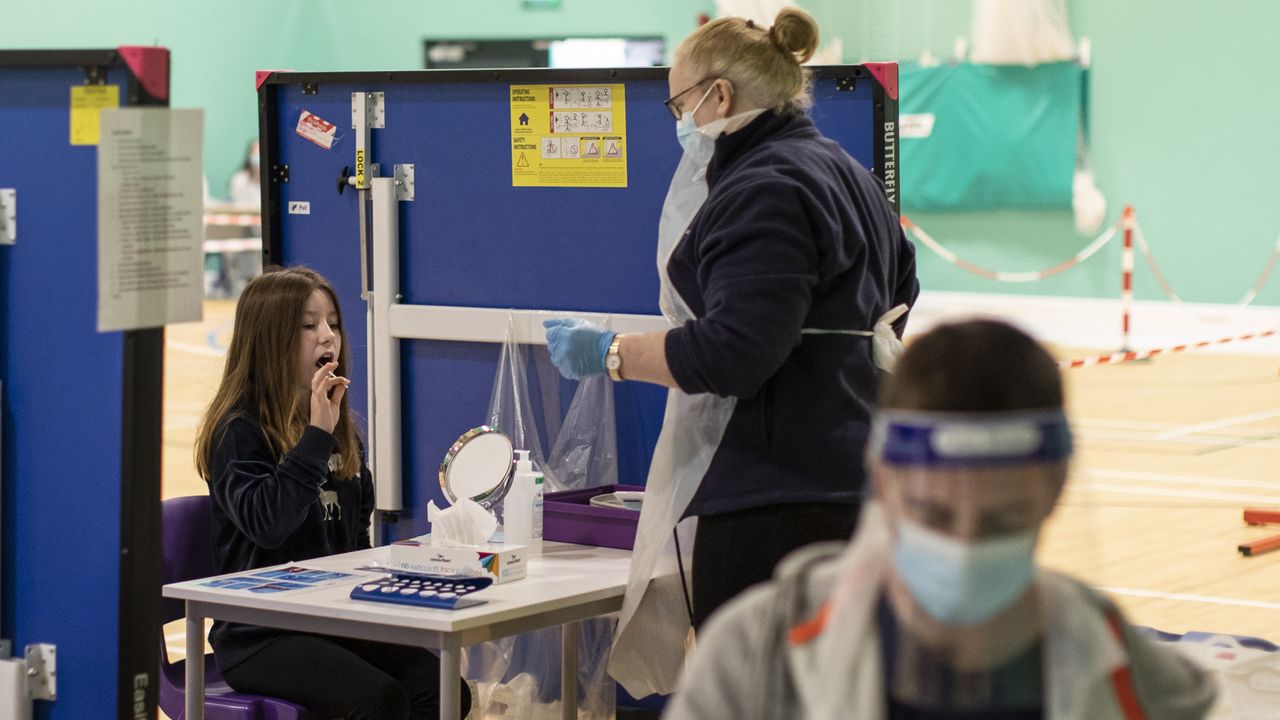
(577, 347)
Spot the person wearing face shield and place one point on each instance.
(786, 280)
(937, 608)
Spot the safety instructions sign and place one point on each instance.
(568, 136)
(87, 104)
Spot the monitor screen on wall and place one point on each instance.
(579, 52)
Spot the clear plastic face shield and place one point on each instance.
(965, 496)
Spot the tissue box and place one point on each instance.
(503, 562)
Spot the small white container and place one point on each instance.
(517, 507)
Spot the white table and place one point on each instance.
(566, 584)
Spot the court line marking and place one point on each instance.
(1120, 424)
(190, 405)
(1192, 598)
(212, 337)
(1166, 492)
(1183, 479)
(1224, 441)
(1216, 424)
(1150, 437)
(184, 423)
(194, 349)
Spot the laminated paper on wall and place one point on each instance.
(568, 136)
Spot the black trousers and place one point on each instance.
(736, 550)
(350, 679)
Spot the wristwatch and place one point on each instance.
(613, 361)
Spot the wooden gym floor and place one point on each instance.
(1168, 454)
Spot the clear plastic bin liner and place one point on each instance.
(518, 678)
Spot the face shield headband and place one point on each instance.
(970, 440)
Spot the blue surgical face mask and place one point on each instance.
(963, 583)
(253, 160)
(686, 126)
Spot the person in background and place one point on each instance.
(246, 183)
(227, 272)
(278, 448)
(937, 609)
(786, 279)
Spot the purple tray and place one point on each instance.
(569, 517)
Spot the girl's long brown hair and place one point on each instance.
(259, 379)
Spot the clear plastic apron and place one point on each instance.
(649, 643)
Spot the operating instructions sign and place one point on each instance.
(568, 136)
(150, 218)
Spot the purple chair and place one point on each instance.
(187, 526)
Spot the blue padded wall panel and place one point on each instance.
(472, 239)
(62, 404)
(464, 401)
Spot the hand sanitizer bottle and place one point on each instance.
(517, 507)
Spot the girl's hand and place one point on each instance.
(327, 391)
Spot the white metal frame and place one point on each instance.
(390, 322)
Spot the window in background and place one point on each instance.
(606, 52)
(545, 52)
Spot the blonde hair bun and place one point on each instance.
(764, 66)
(796, 32)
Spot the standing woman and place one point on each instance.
(238, 267)
(246, 183)
(288, 481)
(786, 279)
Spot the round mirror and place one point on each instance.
(478, 466)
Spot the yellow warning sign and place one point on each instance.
(568, 136)
(87, 102)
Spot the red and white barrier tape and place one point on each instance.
(1120, 357)
(1003, 276)
(239, 219)
(1167, 289)
(233, 245)
(1262, 279)
(1093, 247)
(1126, 281)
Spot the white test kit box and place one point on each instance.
(504, 562)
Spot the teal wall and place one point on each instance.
(1183, 126)
(217, 46)
(1182, 107)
